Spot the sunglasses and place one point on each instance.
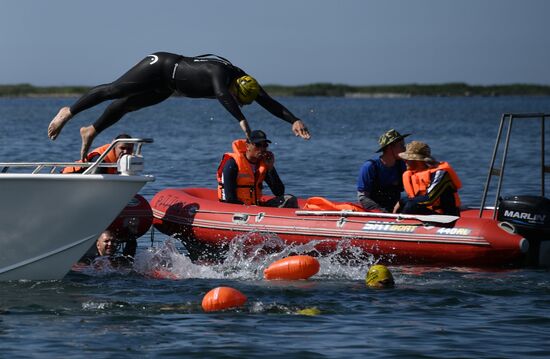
(262, 144)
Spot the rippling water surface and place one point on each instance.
(432, 312)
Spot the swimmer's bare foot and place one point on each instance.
(88, 134)
(54, 129)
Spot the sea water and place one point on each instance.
(105, 312)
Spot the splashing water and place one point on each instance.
(167, 262)
(247, 258)
(103, 266)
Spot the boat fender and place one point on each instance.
(222, 298)
(134, 220)
(292, 268)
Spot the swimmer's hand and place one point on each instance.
(300, 129)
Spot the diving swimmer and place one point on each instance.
(157, 77)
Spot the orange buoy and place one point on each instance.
(292, 268)
(222, 298)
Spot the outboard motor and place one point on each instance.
(525, 212)
(531, 217)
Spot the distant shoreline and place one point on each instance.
(325, 90)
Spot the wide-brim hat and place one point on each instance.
(417, 151)
(390, 137)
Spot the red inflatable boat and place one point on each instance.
(207, 226)
(514, 232)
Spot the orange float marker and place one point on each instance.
(222, 298)
(292, 268)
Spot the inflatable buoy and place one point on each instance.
(222, 298)
(292, 268)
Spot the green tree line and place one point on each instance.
(21, 90)
(449, 89)
(326, 89)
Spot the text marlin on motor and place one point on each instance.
(540, 218)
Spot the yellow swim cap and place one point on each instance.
(247, 89)
(309, 311)
(379, 276)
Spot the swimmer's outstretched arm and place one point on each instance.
(231, 105)
(277, 109)
(246, 129)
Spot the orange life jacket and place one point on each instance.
(417, 183)
(249, 183)
(323, 204)
(110, 158)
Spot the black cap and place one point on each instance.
(258, 136)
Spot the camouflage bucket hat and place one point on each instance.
(390, 137)
(417, 151)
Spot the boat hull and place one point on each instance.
(207, 226)
(50, 220)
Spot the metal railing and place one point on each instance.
(91, 166)
(506, 123)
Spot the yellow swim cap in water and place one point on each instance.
(379, 276)
(247, 89)
(309, 311)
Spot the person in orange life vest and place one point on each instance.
(379, 184)
(431, 186)
(241, 174)
(112, 157)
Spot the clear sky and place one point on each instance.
(288, 42)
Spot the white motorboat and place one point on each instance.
(49, 220)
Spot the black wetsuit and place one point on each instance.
(158, 76)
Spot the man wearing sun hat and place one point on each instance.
(431, 186)
(379, 184)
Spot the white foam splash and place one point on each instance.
(248, 256)
(172, 264)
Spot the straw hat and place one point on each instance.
(417, 151)
(390, 137)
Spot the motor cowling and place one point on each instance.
(525, 212)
